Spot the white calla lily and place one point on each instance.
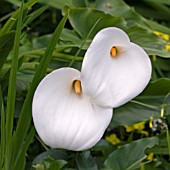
(64, 118)
(114, 70)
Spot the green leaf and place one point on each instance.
(6, 44)
(159, 87)
(35, 14)
(142, 108)
(57, 165)
(136, 111)
(51, 164)
(153, 44)
(2, 141)
(53, 153)
(85, 161)
(89, 18)
(120, 8)
(130, 155)
(20, 160)
(149, 9)
(61, 4)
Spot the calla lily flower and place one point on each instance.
(64, 116)
(114, 70)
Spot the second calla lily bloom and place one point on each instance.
(114, 70)
(63, 115)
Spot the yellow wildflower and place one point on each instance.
(167, 47)
(164, 36)
(150, 156)
(113, 139)
(138, 126)
(37, 166)
(129, 128)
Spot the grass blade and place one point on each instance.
(21, 156)
(9, 25)
(2, 146)
(35, 14)
(25, 116)
(12, 89)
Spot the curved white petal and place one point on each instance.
(113, 81)
(64, 119)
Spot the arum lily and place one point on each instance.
(114, 70)
(64, 116)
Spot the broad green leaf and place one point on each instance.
(61, 4)
(50, 164)
(89, 18)
(142, 108)
(158, 27)
(6, 44)
(165, 2)
(120, 8)
(136, 111)
(57, 165)
(53, 153)
(113, 7)
(25, 116)
(130, 155)
(153, 44)
(85, 161)
(159, 87)
(149, 9)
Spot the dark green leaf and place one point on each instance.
(130, 155)
(89, 18)
(139, 110)
(85, 161)
(53, 153)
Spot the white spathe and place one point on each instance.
(113, 81)
(64, 119)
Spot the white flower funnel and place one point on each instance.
(65, 119)
(114, 70)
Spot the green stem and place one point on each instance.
(143, 104)
(45, 147)
(168, 140)
(71, 63)
(55, 55)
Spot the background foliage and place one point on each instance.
(38, 37)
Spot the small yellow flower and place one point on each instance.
(164, 36)
(138, 126)
(113, 139)
(129, 128)
(37, 166)
(167, 47)
(150, 156)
